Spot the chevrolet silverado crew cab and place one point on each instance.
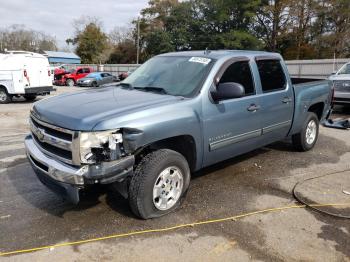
(177, 113)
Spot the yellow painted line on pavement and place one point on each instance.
(159, 230)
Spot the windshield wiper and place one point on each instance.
(125, 85)
(152, 88)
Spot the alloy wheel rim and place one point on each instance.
(311, 132)
(167, 188)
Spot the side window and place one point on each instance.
(239, 72)
(271, 75)
(86, 70)
(80, 71)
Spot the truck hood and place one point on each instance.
(84, 110)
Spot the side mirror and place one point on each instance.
(228, 90)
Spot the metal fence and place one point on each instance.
(114, 69)
(321, 68)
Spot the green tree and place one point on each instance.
(124, 52)
(91, 43)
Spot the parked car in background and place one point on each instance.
(71, 77)
(96, 79)
(61, 69)
(177, 113)
(341, 82)
(24, 74)
(124, 75)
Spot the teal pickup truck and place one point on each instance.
(177, 113)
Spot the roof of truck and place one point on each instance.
(217, 54)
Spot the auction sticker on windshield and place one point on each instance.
(201, 60)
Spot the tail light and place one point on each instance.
(48, 73)
(25, 73)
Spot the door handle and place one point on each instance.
(253, 108)
(286, 100)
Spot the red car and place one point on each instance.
(70, 78)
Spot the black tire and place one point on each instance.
(4, 96)
(94, 84)
(300, 140)
(30, 97)
(142, 183)
(69, 82)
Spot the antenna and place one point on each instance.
(207, 51)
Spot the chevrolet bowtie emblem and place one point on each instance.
(40, 134)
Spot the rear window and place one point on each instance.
(271, 75)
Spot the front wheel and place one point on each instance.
(4, 96)
(70, 82)
(307, 138)
(159, 184)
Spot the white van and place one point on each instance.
(24, 74)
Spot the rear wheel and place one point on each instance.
(30, 97)
(70, 82)
(307, 138)
(4, 96)
(159, 184)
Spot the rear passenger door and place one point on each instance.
(277, 99)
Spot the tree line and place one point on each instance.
(18, 37)
(298, 29)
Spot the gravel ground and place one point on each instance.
(32, 216)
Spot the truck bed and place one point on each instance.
(316, 91)
(299, 81)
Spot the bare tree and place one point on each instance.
(18, 37)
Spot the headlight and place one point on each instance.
(87, 81)
(100, 146)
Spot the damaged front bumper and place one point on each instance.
(68, 180)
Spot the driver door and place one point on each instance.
(232, 126)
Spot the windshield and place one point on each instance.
(93, 75)
(179, 76)
(345, 70)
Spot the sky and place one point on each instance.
(55, 17)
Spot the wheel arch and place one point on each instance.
(318, 109)
(183, 144)
(2, 86)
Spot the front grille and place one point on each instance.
(54, 132)
(342, 85)
(54, 141)
(62, 153)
